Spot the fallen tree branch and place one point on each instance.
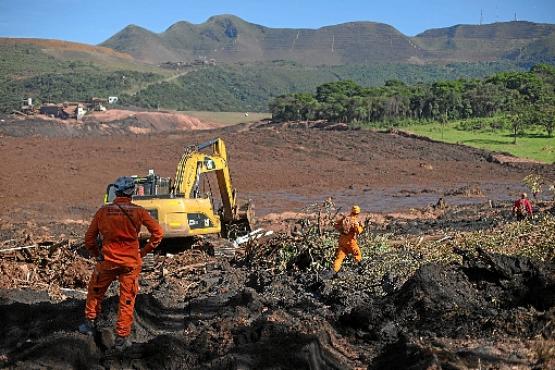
(70, 290)
(447, 237)
(27, 247)
(188, 267)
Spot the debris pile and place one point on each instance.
(309, 246)
(55, 267)
(535, 239)
(480, 299)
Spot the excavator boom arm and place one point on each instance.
(193, 163)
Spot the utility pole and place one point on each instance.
(481, 16)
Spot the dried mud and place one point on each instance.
(280, 168)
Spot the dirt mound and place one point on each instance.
(150, 122)
(320, 125)
(487, 296)
(467, 299)
(507, 158)
(111, 122)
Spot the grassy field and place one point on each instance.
(229, 118)
(532, 144)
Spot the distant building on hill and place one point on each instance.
(174, 65)
(53, 110)
(204, 61)
(27, 106)
(76, 110)
(64, 111)
(97, 104)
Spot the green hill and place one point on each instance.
(141, 43)
(542, 50)
(26, 57)
(52, 70)
(229, 39)
(250, 87)
(482, 43)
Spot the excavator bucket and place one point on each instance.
(245, 213)
(243, 221)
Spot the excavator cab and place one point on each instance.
(180, 206)
(151, 186)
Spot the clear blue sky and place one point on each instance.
(93, 21)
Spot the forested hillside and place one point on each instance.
(251, 87)
(51, 70)
(37, 69)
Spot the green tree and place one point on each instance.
(544, 114)
(334, 90)
(513, 93)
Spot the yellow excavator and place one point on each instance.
(179, 205)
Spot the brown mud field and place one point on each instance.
(463, 287)
(280, 167)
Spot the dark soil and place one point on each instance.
(236, 317)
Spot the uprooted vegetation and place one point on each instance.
(440, 300)
(311, 245)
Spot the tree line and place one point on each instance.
(525, 97)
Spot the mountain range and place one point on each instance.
(254, 63)
(229, 39)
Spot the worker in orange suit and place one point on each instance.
(118, 225)
(349, 227)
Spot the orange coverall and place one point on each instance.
(347, 243)
(121, 257)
